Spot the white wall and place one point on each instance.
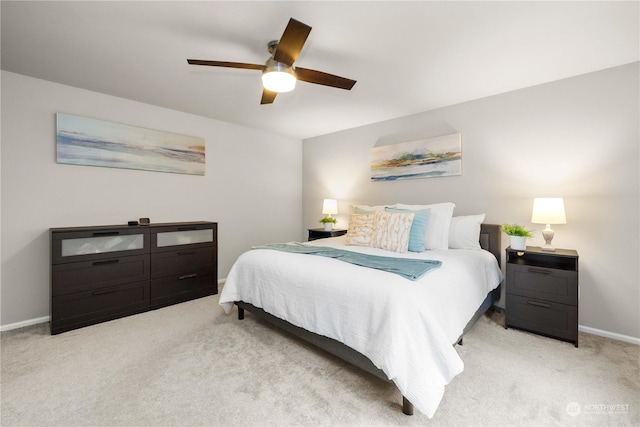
(576, 138)
(252, 185)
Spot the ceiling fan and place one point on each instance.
(278, 73)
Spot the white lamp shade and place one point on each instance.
(330, 207)
(548, 210)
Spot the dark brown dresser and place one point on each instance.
(542, 292)
(106, 272)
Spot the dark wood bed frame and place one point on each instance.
(490, 240)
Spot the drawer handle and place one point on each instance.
(105, 291)
(109, 261)
(539, 304)
(106, 233)
(188, 276)
(539, 271)
(187, 253)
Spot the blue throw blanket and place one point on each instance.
(409, 268)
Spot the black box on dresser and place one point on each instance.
(106, 272)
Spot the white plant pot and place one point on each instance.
(518, 243)
(328, 226)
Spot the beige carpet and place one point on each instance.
(190, 365)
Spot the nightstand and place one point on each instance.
(542, 292)
(319, 233)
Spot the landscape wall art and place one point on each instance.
(425, 158)
(92, 142)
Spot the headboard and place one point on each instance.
(490, 239)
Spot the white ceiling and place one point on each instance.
(407, 57)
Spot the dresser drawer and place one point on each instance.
(547, 284)
(83, 308)
(183, 236)
(172, 289)
(97, 243)
(185, 260)
(540, 316)
(90, 275)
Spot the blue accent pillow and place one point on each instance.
(416, 234)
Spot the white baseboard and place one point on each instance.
(607, 334)
(24, 323)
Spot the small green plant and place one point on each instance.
(328, 219)
(516, 230)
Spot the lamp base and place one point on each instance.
(548, 233)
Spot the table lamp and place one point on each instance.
(548, 210)
(330, 207)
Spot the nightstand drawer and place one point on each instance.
(549, 284)
(539, 316)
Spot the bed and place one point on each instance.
(394, 328)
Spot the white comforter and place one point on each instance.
(405, 328)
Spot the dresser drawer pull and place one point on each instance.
(188, 276)
(187, 253)
(105, 291)
(109, 261)
(106, 233)
(539, 304)
(539, 271)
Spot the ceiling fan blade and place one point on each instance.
(291, 42)
(268, 96)
(226, 64)
(325, 79)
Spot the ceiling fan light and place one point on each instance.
(278, 77)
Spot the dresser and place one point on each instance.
(106, 272)
(542, 292)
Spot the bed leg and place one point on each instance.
(240, 313)
(407, 407)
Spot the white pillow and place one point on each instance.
(464, 232)
(364, 209)
(437, 231)
(391, 231)
(360, 230)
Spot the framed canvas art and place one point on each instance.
(424, 158)
(93, 142)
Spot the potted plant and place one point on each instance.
(328, 223)
(518, 235)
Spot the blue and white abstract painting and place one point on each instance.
(425, 158)
(92, 142)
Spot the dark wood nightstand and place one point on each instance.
(319, 233)
(542, 292)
